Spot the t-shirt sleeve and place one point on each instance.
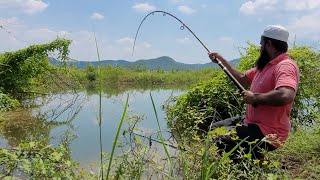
(287, 74)
(251, 73)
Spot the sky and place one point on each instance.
(224, 26)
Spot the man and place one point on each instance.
(273, 85)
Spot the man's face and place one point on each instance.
(264, 57)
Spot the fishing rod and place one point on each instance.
(182, 27)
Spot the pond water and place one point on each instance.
(74, 116)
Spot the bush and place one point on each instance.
(306, 103)
(7, 103)
(36, 160)
(91, 73)
(18, 68)
(209, 101)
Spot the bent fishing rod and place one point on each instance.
(182, 27)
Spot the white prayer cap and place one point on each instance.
(276, 32)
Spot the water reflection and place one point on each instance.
(73, 117)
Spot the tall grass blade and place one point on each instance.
(160, 134)
(100, 105)
(117, 135)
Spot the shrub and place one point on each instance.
(18, 68)
(36, 160)
(7, 103)
(91, 73)
(209, 101)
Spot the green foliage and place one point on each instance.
(300, 156)
(248, 57)
(20, 67)
(118, 76)
(7, 103)
(208, 102)
(91, 73)
(307, 101)
(117, 135)
(38, 161)
(200, 160)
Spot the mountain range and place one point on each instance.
(164, 62)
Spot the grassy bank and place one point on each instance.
(117, 77)
(300, 157)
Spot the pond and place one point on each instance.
(74, 117)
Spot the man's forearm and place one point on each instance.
(274, 97)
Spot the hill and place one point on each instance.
(164, 62)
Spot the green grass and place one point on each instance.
(161, 136)
(117, 76)
(300, 156)
(117, 136)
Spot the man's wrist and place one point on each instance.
(257, 98)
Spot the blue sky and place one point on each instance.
(225, 26)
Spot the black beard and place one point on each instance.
(263, 60)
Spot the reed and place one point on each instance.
(117, 135)
(100, 107)
(161, 136)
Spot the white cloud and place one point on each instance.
(17, 34)
(183, 40)
(299, 16)
(122, 49)
(146, 45)
(8, 29)
(144, 7)
(186, 10)
(306, 26)
(252, 7)
(302, 4)
(12, 21)
(14, 34)
(25, 6)
(176, 1)
(262, 6)
(82, 46)
(97, 16)
(125, 41)
(40, 34)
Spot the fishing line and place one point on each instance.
(182, 27)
